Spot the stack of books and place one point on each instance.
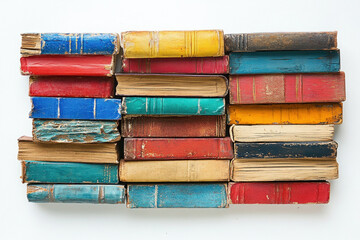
(72, 155)
(285, 97)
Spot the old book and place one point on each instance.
(176, 126)
(251, 42)
(281, 133)
(174, 171)
(284, 62)
(76, 193)
(213, 195)
(271, 150)
(287, 88)
(61, 172)
(302, 113)
(171, 85)
(172, 44)
(173, 106)
(57, 152)
(259, 170)
(279, 192)
(71, 86)
(75, 131)
(177, 148)
(75, 108)
(70, 43)
(199, 65)
(68, 65)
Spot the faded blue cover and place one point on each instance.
(284, 62)
(213, 195)
(76, 108)
(65, 172)
(173, 106)
(76, 193)
(79, 43)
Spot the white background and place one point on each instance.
(340, 219)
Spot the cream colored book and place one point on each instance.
(281, 133)
(257, 170)
(175, 171)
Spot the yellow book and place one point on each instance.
(175, 171)
(173, 44)
(317, 113)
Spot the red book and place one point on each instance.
(201, 65)
(287, 88)
(279, 192)
(65, 65)
(177, 148)
(62, 86)
(184, 126)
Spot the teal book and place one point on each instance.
(69, 172)
(173, 106)
(75, 193)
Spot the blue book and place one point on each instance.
(70, 43)
(75, 193)
(66, 172)
(173, 106)
(76, 108)
(189, 195)
(284, 62)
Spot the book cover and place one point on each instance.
(174, 171)
(58, 152)
(177, 148)
(213, 195)
(76, 193)
(75, 108)
(199, 65)
(279, 192)
(173, 44)
(271, 150)
(287, 88)
(173, 106)
(251, 42)
(61, 172)
(302, 113)
(75, 131)
(70, 43)
(175, 126)
(284, 62)
(68, 65)
(171, 85)
(71, 86)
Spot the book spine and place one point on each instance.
(61, 65)
(284, 62)
(78, 87)
(177, 196)
(75, 131)
(177, 148)
(205, 65)
(57, 172)
(189, 126)
(280, 193)
(251, 42)
(173, 106)
(173, 44)
(287, 88)
(174, 171)
(75, 108)
(319, 113)
(308, 150)
(75, 193)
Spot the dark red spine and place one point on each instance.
(279, 192)
(62, 86)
